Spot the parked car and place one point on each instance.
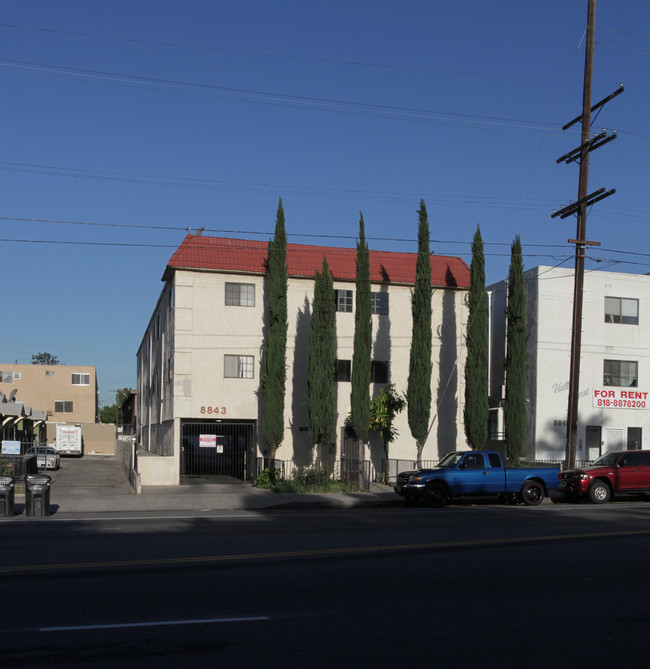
(46, 457)
(620, 471)
(464, 473)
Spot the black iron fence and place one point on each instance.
(361, 472)
(18, 466)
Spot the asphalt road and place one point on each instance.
(484, 586)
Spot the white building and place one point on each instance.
(199, 361)
(614, 404)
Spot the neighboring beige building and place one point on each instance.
(66, 393)
(199, 363)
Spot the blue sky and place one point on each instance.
(125, 123)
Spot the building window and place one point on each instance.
(238, 366)
(379, 371)
(343, 300)
(621, 310)
(379, 303)
(240, 294)
(343, 371)
(81, 379)
(6, 377)
(49, 372)
(170, 368)
(63, 407)
(622, 373)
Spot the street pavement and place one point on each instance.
(97, 484)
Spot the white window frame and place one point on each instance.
(240, 294)
(379, 303)
(344, 301)
(631, 377)
(80, 381)
(238, 366)
(622, 310)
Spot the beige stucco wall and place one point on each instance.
(97, 437)
(40, 386)
(198, 330)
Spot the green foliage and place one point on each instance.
(305, 480)
(122, 394)
(383, 409)
(321, 400)
(517, 343)
(476, 365)
(45, 359)
(274, 373)
(361, 357)
(418, 393)
(264, 480)
(107, 414)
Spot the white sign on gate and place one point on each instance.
(207, 440)
(10, 447)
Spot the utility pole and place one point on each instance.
(581, 153)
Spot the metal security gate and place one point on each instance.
(351, 460)
(216, 451)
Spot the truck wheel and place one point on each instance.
(532, 493)
(599, 492)
(436, 495)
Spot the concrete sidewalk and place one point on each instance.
(97, 484)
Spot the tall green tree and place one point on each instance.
(361, 356)
(322, 358)
(274, 373)
(45, 359)
(476, 366)
(418, 393)
(517, 343)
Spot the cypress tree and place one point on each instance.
(322, 357)
(516, 340)
(476, 366)
(274, 373)
(418, 393)
(360, 395)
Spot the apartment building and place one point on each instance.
(614, 405)
(199, 362)
(66, 393)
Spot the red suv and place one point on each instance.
(622, 471)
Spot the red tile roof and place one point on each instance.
(221, 254)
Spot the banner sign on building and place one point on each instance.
(620, 398)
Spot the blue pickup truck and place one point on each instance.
(476, 473)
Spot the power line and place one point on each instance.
(283, 189)
(267, 54)
(272, 98)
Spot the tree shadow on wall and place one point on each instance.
(299, 422)
(447, 396)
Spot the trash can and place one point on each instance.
(37, 495)
(6, 496)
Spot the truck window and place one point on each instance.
(495, 460)
(450, 460)
(473, 461)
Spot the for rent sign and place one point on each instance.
(620, 398)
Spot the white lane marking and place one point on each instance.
(159, 623)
